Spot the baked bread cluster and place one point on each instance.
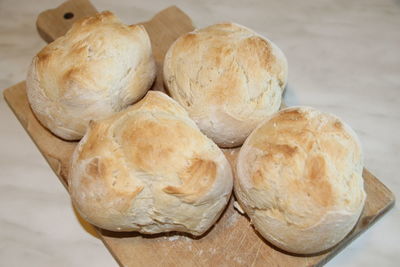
(156, 165)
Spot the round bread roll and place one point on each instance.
(149, 169)
(228, 78)
(299, 179)
(97, 68)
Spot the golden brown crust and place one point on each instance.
(299, 176)
(153, 168)
(197, 179)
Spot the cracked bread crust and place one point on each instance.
(299, 178)
(96, 69)
(228, 78)
(149, 169)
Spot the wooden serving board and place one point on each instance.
(232, 241)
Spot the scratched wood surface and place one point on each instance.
(232, 241)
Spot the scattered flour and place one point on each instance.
(232, 219)
(173, 238)
(187, 239)
(212, 250)
(238, 260)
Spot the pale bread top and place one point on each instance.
(96, 69)
(228, 78)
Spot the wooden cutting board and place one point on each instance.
(232, 241)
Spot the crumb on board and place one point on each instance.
(238, 207)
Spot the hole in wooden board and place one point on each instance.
(68, 15)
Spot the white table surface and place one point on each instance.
(343, 58)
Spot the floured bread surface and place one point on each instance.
(96, 69)
(228, 78)
(149, 169)
(300, 179)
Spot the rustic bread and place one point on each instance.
(149, 169)
(299, 179)
(96, 69)
(228, 78)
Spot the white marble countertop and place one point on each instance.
(343, 58)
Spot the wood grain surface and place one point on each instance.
(56, 22)
(232, 241)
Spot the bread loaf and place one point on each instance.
(97, 68)
(299, 179)
(228, 78)
(149, 169)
